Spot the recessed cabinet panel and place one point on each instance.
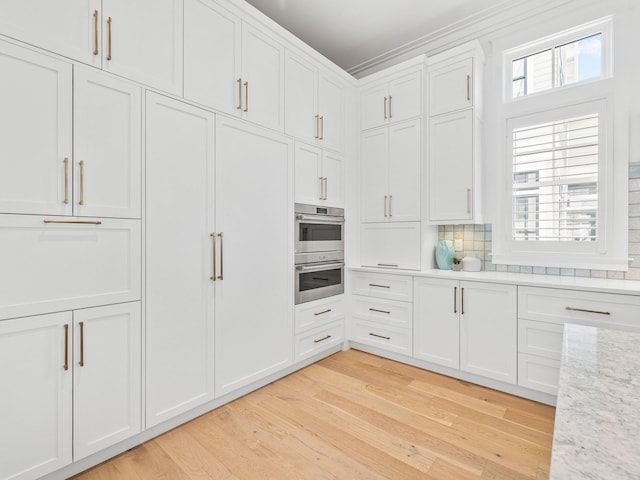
(538, 373)
(451, 87)
(405, 153)
(333, 174)
(301, 99)
(390, 245)
(62, 266)
(308, 170)
(405, 97)
(35, 132)
(373, 106)
(331, 109)
(374, 174)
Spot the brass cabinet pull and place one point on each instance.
(321, 187)
(390, 108)
(388, 265)
(468, 200)
(390, 205)
(95, 32)
(379, 336)
(66, 180)
(324, 182)
(379, 311)
(221, 276)
(462, 300)
(317, 127)
(468, 88)
(213, 274)
(239, 107)
(246, 96)
(74, 222)
(455, 299)
(321, 128)
(587, 311)
(385, 205)
(109, 21)
(385, 108)
(322, 339)
(379, 286)
(66, 347)
(323, 312)
(81, 165)
(81, 362)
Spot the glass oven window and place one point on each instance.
(321, 279)
(313, 232)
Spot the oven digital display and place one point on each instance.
(322, 210)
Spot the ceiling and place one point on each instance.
(352, 32)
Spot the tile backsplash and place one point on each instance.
(476, 239)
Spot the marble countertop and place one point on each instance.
(597, 422)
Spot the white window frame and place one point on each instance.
(609, 251)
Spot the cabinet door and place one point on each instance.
(255, 216)
(374, 175)
(66, 28)
(332, 171)
(144, 42)
(36, 401)
(451, 87)
(108, 142)
(106, 376)
(180, 293)
(331, 108)
(393, 245)
(308, 174)
(451, 167)
(436, 327)
(405, 97)
(300, 101)
(212, 37)
(373, 106)
(262, 78)
(488, 326)
(35, 132)
(68, 265)
(405, 154)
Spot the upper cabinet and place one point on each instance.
(394, 97)
(314, 104)
(136, 40)
(318, 176)
(231, 66)
(453, 175)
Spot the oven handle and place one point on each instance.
(329, 220)
(320, 267)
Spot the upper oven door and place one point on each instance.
(319, 233)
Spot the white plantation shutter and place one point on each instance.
(555, 180)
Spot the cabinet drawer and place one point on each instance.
(319, 312)
(318, 340)
(583, 308)
(539, 338)
(382, 311)
(395, 287)
(65, 266)
(392, 338)
(538, 373)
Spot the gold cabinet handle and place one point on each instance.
(455, 299)
(246, 96)
(385, 205)
(462, 300)
(322, 339)
(81, 362)
(379, 311)
(109, 22)
(95, 32)
(74, 222)
(66, 180)
(388, 265)
(221, 276)
(81, 165)
(390, 205)
(379, 336)
(468, 200)
(321, 187)
(322, 312)
(326, 188)
(385, 108)
(390, 108)
(213, 274)
(66, 347)
(599, 312)
(317, 117)
(321, 128)
(239, 107)
(468, 88)
(379, 286)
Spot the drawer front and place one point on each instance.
(583, 308)
(384, 312)
(538, 373)
(315, 341)
(387, 337)
(318, 313)
(65, 266)
(539, 338)
(394, 287)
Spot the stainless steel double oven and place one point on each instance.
(319, 256)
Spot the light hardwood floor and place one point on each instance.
(352, 416)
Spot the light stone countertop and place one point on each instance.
(597, 424)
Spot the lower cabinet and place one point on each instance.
(319, 325)
(77, 388)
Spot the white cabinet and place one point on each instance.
(393, 97)
(232, 66)
(392, 245)
(314, 104)
(254, 216)
(179, 291)
(391, 173)
(319, 325)
(77, 389)
(454, 169)
(36, 404)
(318, 176)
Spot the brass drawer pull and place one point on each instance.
(379, 311)
(66, 347)
(95, 32)
(379, 286)
(109, 22)
(587, 311)
(81, 362)
(379, 336)
(318, 128)
(322, 339)
(221, 276)
(385, 108)
(455, 299)
(81, 165)
(213, 277)
(388, 265)
(66, 180)
(462, 300)
(74, 222)
(390, 109)
(239, 107)
(321, 128)
(468, 88)
(323, 312)
(246, 96)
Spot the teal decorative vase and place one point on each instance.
(444, 254)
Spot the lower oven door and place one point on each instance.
(318, 280)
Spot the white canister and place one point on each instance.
(470, 263)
